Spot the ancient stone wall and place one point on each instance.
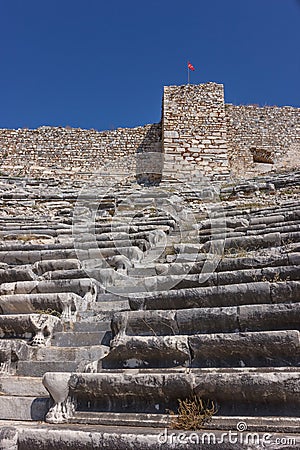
(77, 153)
(262, 138)
(194, 131)
(199, 136)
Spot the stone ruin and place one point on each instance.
(197, 130)
(117, 300)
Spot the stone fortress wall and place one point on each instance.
(199, 135)
(262, 138)
(74, 152)
(194, 131)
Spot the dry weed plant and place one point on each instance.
(193, 413)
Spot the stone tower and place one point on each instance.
(194, 132)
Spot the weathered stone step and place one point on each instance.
(256, 392)
(115, 227)
(41, 225)
(253, 242)
(41, 267)
(132, 253)
(226, 264)
(122, 419)
(218, 296)
(34, 232)
(91, 327)
(20, 386)
(289, 227)
(24, 273)
(78, 354)
(26, 256)
(223, 234)
(227, 319)
(30, 257)
(185, 281)
(261, 349)
(35, 436)
(254, 424)
(81, 339)
(31, 247)
(239, 232)
(105, 310)
(106, 276)
(142, 244)
(221, 223)
(109, 297)
(153, 236)
(290, 210)
(139, 224)
(39, 368)
(23, 408)
(65, 303)
(110, 305)
(282, 215)
(267, 219)
(82, 287)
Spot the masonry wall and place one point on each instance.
(262, 138)
(199, 137)
(75, 153)
(194, 132)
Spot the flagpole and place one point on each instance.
(188, 73)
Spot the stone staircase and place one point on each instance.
(160, 305)
(42, 280)
(247, 312)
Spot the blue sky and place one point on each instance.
(102, 64)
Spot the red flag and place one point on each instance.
(190, 66)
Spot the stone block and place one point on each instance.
(171, 134)
(252, 349)
(23, 408)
